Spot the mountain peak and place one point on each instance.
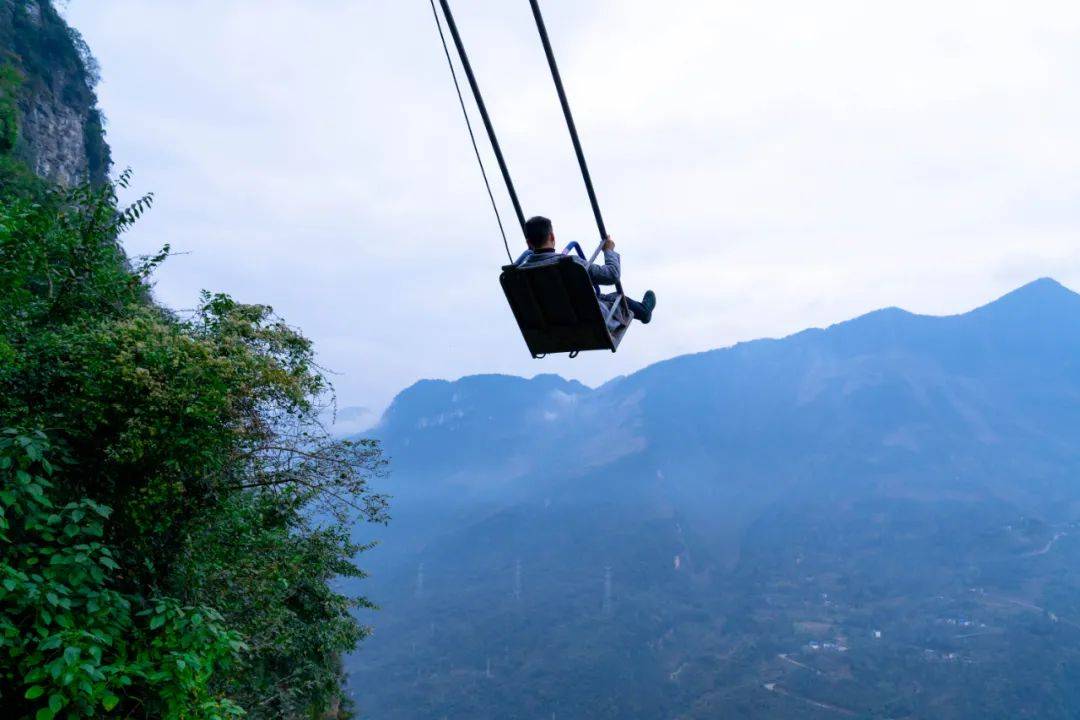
(1041, 296)
(1043, 288)
(1043, 282)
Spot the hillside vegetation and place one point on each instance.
(171, 512)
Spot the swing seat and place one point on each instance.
(558, 309)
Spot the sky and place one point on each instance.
(764, 167)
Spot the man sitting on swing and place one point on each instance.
(541, 239)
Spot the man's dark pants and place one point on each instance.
(641, 313)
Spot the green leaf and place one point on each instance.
(109, 701)
(157, 621)
(45, 714)
(34, 692)
(56, 701)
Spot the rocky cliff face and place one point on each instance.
(60, 133)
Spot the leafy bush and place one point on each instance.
(72, 642)
(200, 511)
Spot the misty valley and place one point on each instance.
(875, 520)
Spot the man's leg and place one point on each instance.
(643, 310)
(639, 311)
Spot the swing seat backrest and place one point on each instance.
(557, 309)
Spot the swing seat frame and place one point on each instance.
(558, 308)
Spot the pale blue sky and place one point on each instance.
(763, 166)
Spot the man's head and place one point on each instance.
(538, 233)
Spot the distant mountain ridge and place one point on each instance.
(1030, 333)
(718, 497)
(1041, 306)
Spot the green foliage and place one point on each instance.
(59, 262)
(10, 80)
(15, 176)
(201, 433)
(72, 642)
(276, 577)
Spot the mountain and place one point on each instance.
(60, 129)
(877, 519)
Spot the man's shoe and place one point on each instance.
(648, 302)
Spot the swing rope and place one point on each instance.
(557, 79)
(472, 135)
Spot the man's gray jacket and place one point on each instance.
(606, 274)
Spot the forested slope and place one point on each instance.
(172, 513)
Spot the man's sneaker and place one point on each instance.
(648, 302)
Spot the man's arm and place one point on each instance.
(608, 273)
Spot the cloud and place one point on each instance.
(763, 166)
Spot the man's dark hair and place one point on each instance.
(537, 230)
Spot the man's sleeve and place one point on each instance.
(608, 273)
